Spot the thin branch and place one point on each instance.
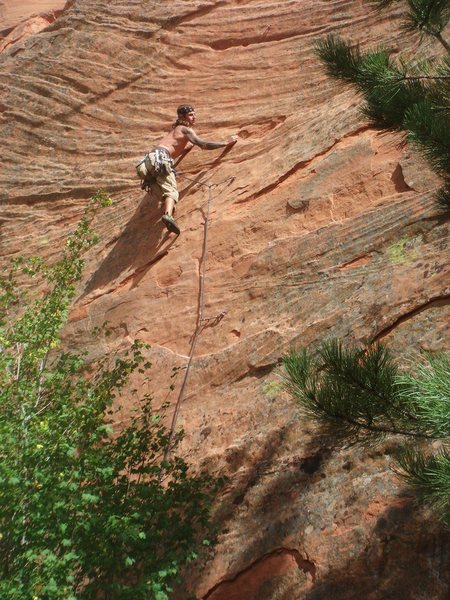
(416, 77)
(444, 42)
(375, 428)
(41, 370)
(41, 410)
(19, 361)
(378, 429)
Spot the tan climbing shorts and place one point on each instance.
(165, 183)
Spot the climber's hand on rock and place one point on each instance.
(232, 140)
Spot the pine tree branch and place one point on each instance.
(382, 407)
(416, 77)
(429, 475)
(427, 14)
(438, 6)
(375, 428)
(444, 42)
(348, 378)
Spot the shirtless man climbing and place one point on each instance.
(158, 166)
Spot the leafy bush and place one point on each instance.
(86, 511)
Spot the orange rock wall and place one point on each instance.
(320, 226)
(20, 20)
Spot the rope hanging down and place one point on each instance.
(198, 327)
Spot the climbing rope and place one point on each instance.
(198, 327)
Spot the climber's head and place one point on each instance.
(186, 115)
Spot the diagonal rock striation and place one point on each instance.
(321, 227)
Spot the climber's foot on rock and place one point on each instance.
(171, 224)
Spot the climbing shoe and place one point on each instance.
(171, 224)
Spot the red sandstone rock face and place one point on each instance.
(18, 21)
(320, 226)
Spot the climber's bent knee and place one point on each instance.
(170, 191)
(168, 186)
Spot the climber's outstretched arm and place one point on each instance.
(204, 144)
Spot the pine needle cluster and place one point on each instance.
(360, 395)
(413, 96)
(428, 16)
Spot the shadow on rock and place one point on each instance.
(292, 533)
(283, 467)
(407, 557)
(143, 242)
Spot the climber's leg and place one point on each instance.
(168, 185)
(167, 218)
(169, 205)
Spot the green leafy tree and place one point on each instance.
(361, 396)
(85, 512)
(408, 95)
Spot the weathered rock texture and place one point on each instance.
(320, 226)
(20, 20)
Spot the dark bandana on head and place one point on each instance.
(184, 110)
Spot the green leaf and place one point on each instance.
(81, 502)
